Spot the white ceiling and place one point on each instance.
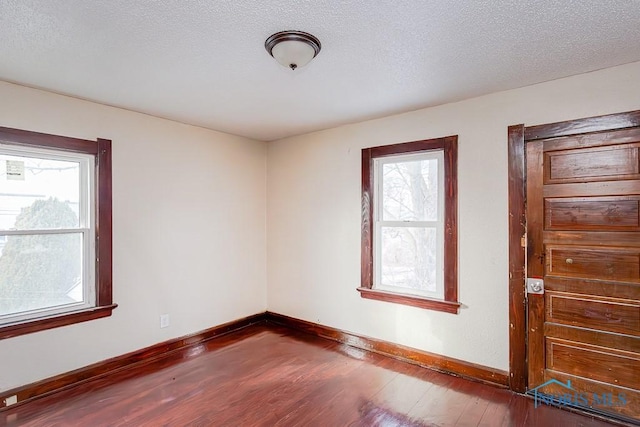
(203, 62)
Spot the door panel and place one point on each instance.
(601, 188)
(587, 164)
(598, 363)
(583, 238)
(616, 341)
(622, 316)
(621, 265)
(593, 287)
(593, 213)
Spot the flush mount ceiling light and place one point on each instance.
(293, 49)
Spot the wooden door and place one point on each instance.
(583, 239)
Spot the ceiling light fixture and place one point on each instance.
(293, 49)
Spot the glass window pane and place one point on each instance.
(40, 271)
(408, 259)
(38, 193)
(410, 190)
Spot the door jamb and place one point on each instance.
(518, 136)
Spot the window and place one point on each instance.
(409, 224)
(55, 231)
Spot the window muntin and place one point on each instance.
(47, 221)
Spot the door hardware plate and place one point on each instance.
(535, 286)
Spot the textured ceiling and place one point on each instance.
(203, 62)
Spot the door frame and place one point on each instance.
(518, 136)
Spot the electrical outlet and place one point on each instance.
(11, 400)
(164, 320)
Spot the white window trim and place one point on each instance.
(378, 223)
(86, 227)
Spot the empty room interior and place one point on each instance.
(319, 213)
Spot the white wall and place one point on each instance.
(212, 268)
(314, 214)
(188, 232)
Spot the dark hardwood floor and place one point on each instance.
(266, 375)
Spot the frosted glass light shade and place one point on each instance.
(293, 49)
(293, 54)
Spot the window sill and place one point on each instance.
(412, 300)
(42, 324)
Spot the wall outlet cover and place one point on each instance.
(164, 320)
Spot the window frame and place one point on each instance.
(100, 150)
(85, 227)
(449, 146)
(379, 222)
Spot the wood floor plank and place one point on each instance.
(340, 391)
(477, 405)
(497, 409)
(517, 412)
(266, 375)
